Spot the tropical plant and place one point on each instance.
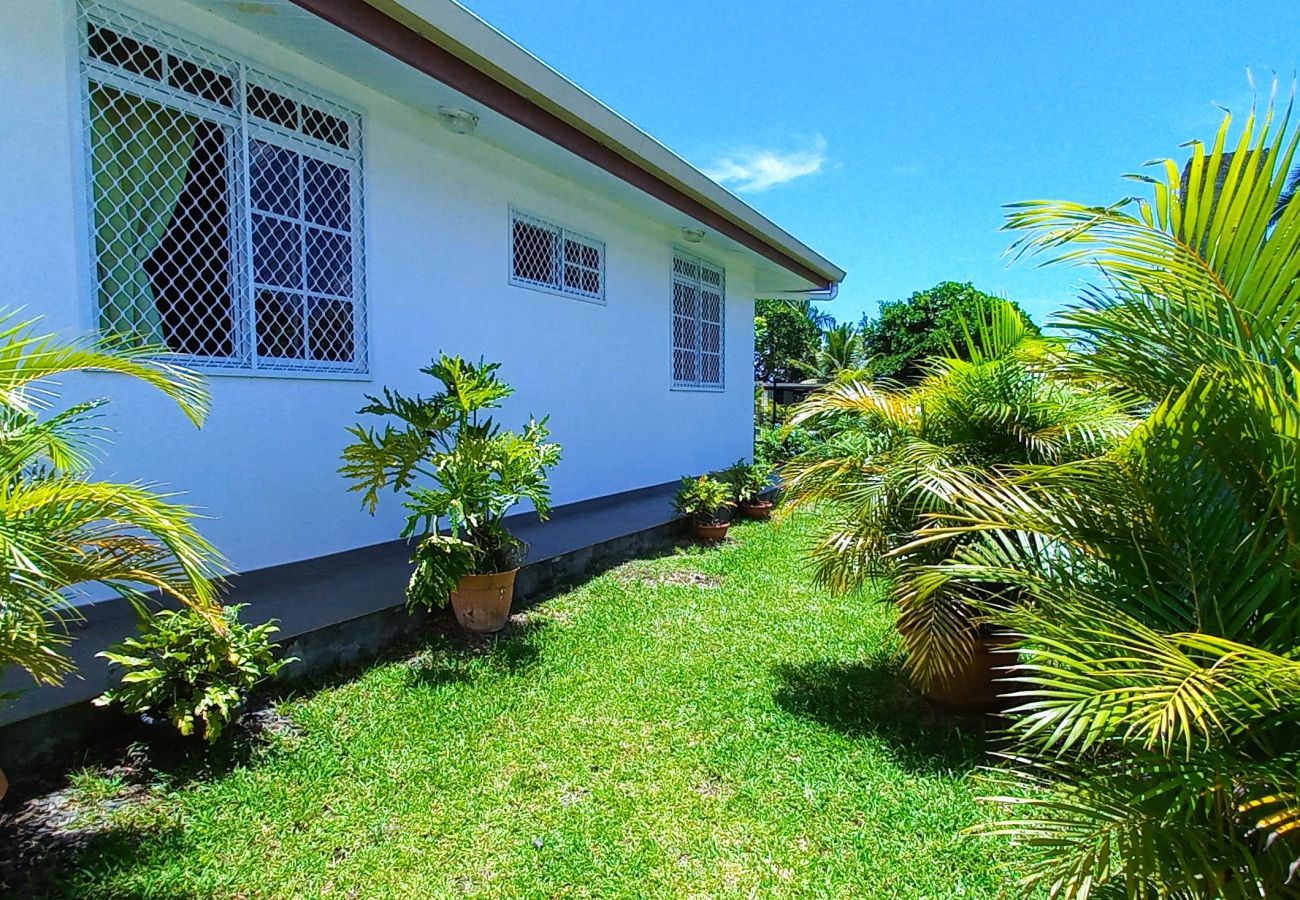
(778, 444)
(748, 481)
(906, 333)
(455, 464)
(704, 500)
(841, 353)
(196, 676)
(61, 532)
(1159, 725)
(897, 455)
(787, 334)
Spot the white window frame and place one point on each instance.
(245, 129)
(701, 264)
(563, 236)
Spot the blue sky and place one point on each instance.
(888, 134)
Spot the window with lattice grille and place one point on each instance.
(699, 292)
(225, 204)
(553, 258)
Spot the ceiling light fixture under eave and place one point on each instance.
(457, 121)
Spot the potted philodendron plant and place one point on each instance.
(705, 501)
(457, 466)
(750, 481)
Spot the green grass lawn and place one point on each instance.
(705, 724)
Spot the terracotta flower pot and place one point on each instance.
(712, 533)
(482, 602)
(759, 509)
(978, 688)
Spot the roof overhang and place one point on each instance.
(445, 41)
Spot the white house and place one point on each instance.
(308, 199)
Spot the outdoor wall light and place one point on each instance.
(692, 235)
(458, 121)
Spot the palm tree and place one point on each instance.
(842, 351)
(1159, 727)
(60, 531)
(895, 454)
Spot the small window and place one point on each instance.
(698, 326)
(547, 256)
(225, 205)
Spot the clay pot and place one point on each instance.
(482, 602)
(978, 688)
(4, 784)
(712, 533)
(759, 509)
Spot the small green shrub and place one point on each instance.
(182, 668)
(778, 444)
(748, 480)
(704, 500)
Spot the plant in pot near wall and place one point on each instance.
(458, 467)
(705, 501)
(750, 481)
(898, 462)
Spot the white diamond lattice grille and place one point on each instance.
(699, 292)
(547, 256)
(225, 204)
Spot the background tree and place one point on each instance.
(841, 351)
(787, 334)
(927, 324)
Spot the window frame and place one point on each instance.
(243, 130)
(675, 279)
(559, 262)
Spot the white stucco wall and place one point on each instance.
(264, 466)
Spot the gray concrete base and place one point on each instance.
(335, 612)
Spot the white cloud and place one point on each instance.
(751, 171)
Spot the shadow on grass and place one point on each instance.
(874, 698)
(453, 659)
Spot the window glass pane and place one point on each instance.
(685, 300)
(331, 325)
(125, 52)
(273, 179)
(200, 81)
(324, 127)
(329, 263)
(534, 253)
(684, 366)
(272, 107)
(161, 213)
(327, 194)
(579, 279)
(277, 252)
(711, 368)
(280, 325)
(712, 338)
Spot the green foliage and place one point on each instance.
(894, 457)
(61, 531)
(1160, 716)
(195, 675)
(455, 464)
(787, 335)
(777, 444)
(748, 480)
(928, 324)
(704, 500)
(842, 353)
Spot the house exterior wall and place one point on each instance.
(263, 468)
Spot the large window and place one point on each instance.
(546, 256)
(699, 291)
(225, 205)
